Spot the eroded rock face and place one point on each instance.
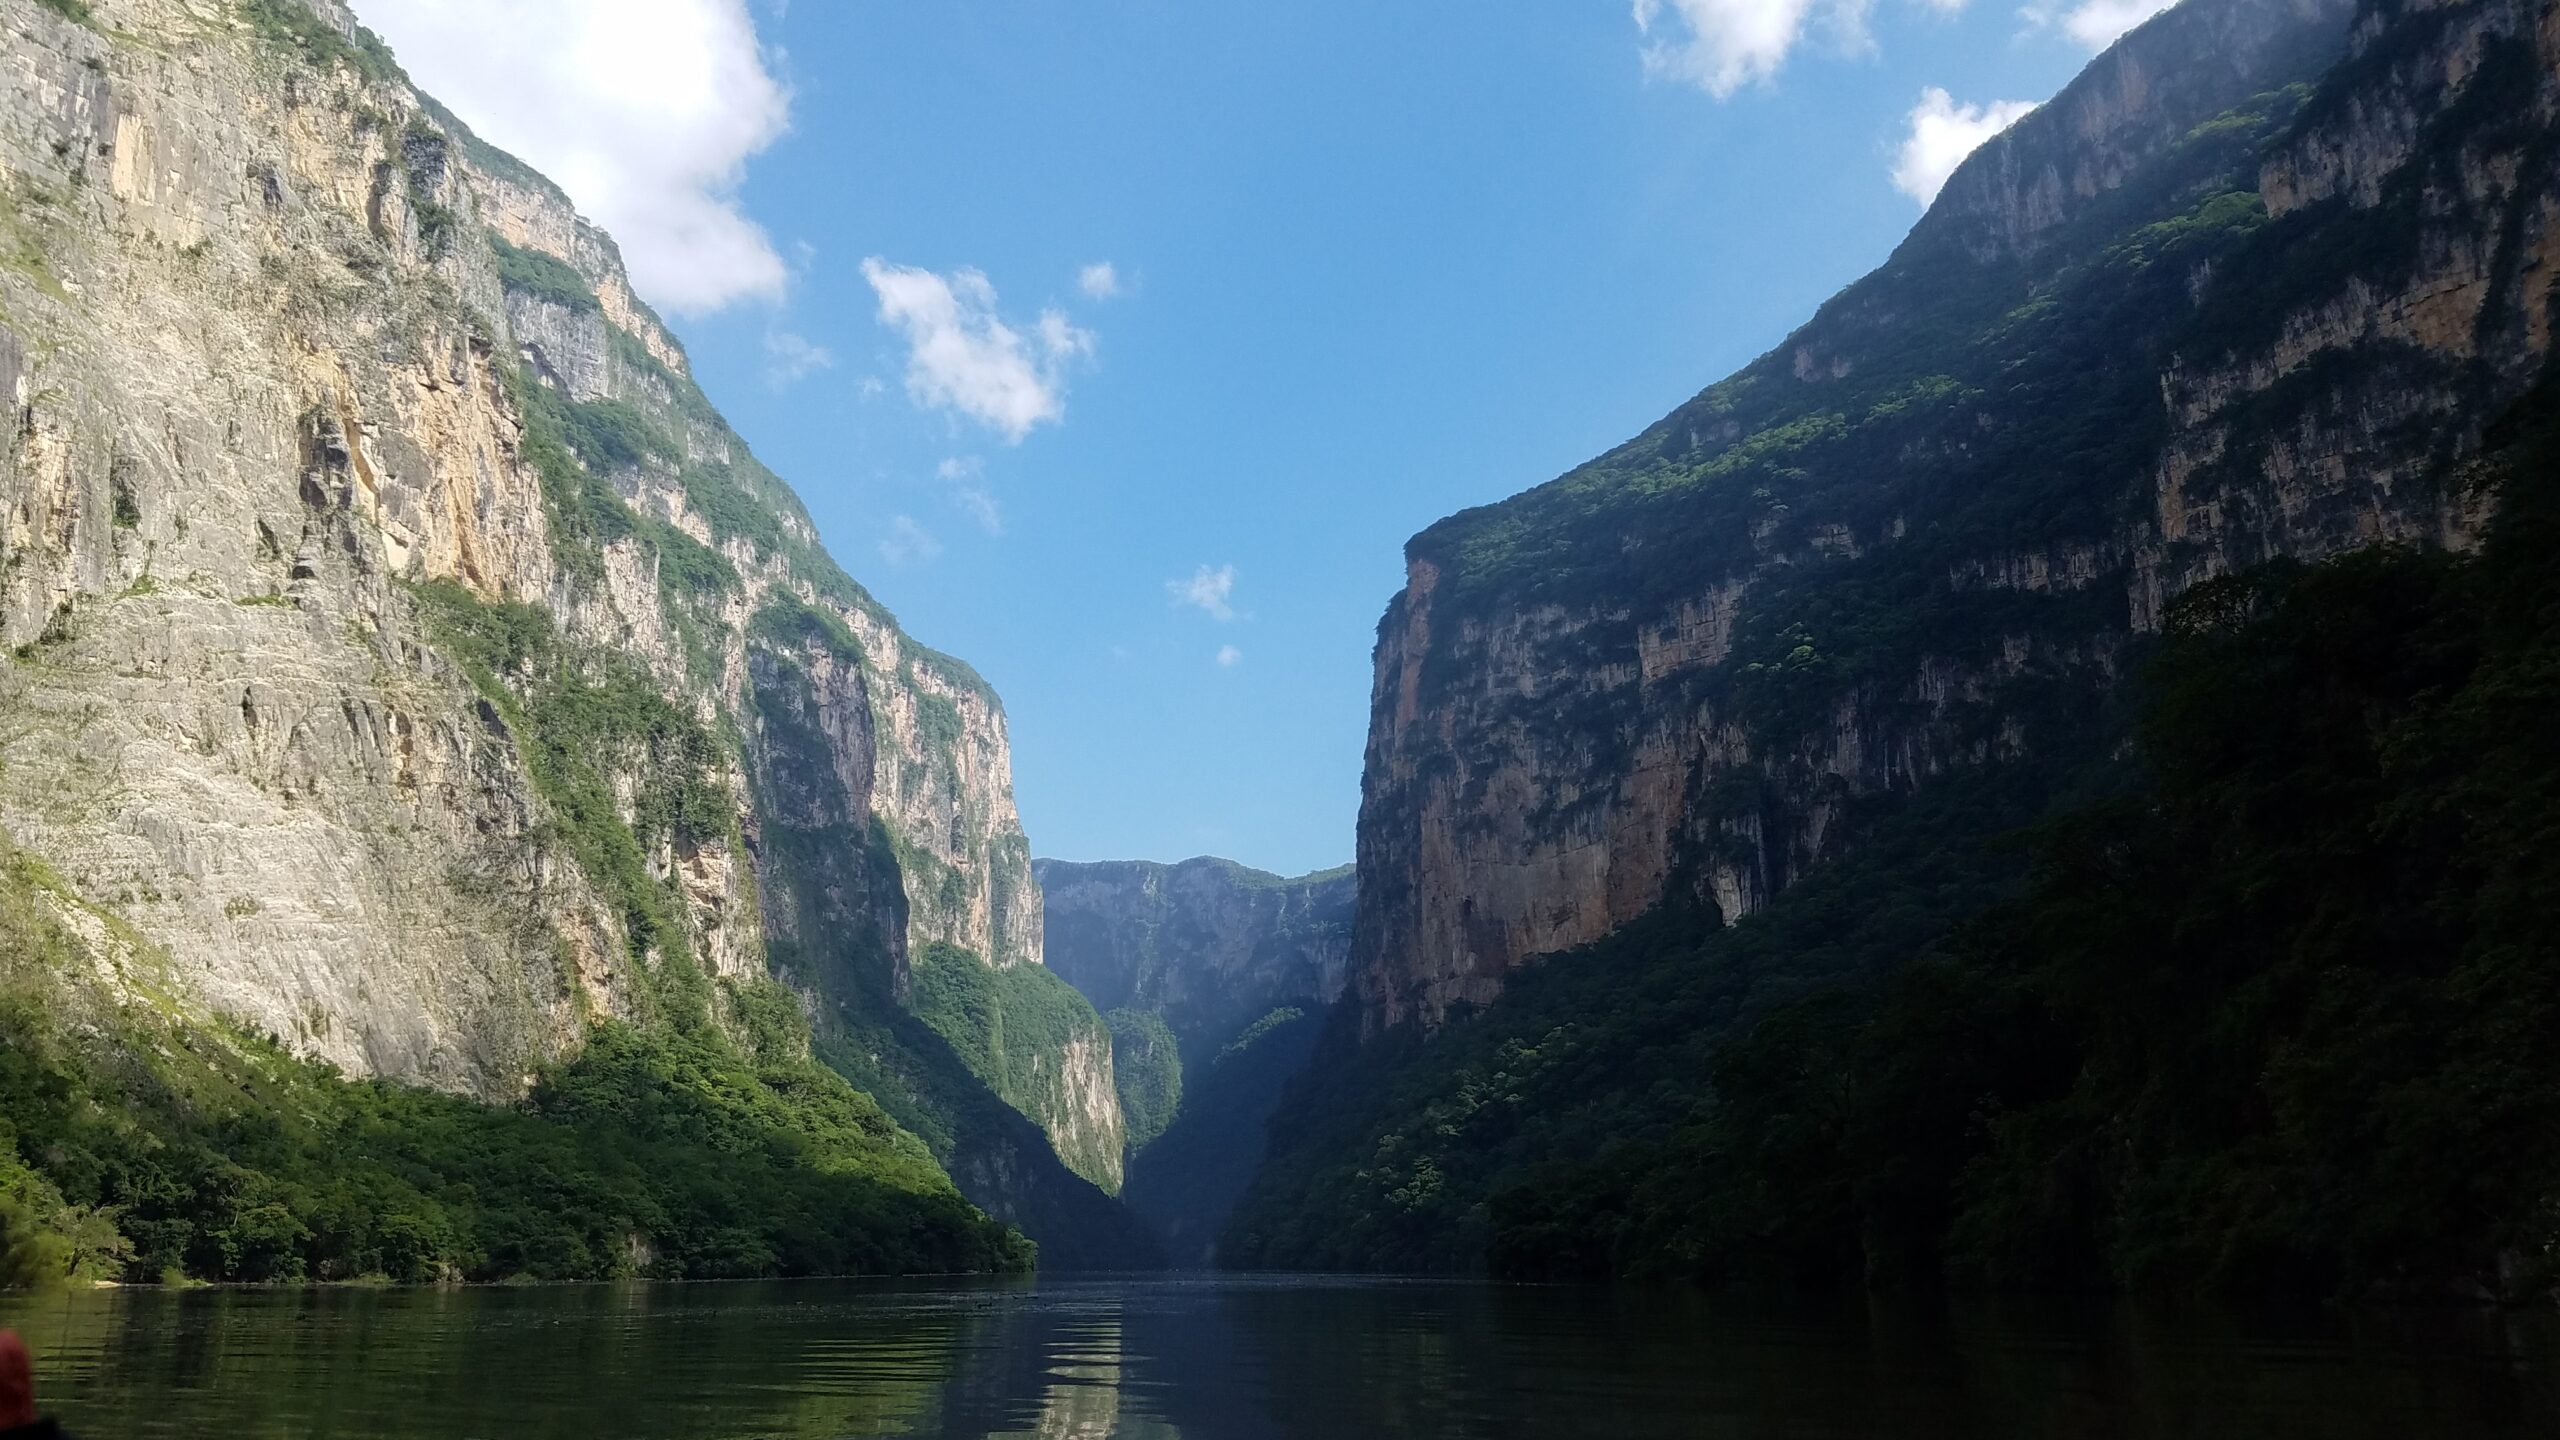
(2142, 96)
(1082, 1114)
(1207, 944)
(270, 387)
(1883, 556)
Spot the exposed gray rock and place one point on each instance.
(257, 354)
(1208, 944)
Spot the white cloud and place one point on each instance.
(1059, 338)
(1210, 591)
(1722, 45)
(1100, 280)
(2097, 24)
(645, 111)
(1229, 657)
(908, 543)
(964, 474)
(1942, 134)
(790, 359)
(962, 356)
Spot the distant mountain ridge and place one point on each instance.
(1208, 944)
(1214, 978)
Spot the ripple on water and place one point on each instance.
(1236, 1358)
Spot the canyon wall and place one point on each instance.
(1215, 980)
(1207, 944)
(394, 634)
(2238, 293)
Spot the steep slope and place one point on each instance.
(2250, 288)
(2183, 318)
(1208, 945)
(401, 643)
(1186, 1183)
(1213, 978)
(145, 1141)
(2281, 1018)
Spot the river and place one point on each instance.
(1234, 1358)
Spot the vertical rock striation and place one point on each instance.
(2235, 294)
(394, 633)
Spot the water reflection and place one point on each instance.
(1243, 1359)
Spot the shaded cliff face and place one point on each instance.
(1214, 979)
(395, 635)
(2237, 293)
(1208, 945)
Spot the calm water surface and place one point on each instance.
(1211, 1359)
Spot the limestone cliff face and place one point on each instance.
(394, 634)
(1209, 945)
(2020, 192)
(2239, 292)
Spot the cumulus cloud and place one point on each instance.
(790, 359)
(1722, 45)
(1099, 280)
(645, 111)
(1210, 591)
(1229, 657)
(964, 475)
(1942, 134)
(908, 543)
(2097, 24)
(963, 357)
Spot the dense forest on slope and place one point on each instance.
(2283, 1017)
(1933, 931)
(141, 1147)
(2279, 1015)
(1187, 1181)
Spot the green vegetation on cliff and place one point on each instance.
(1013, 1026)
(2285, 1017)
(2210, 961)
(834, 896)
(2277, 1012)
(578, 719)
(1383, 1154)
(292, 26)
(137, 1145)
(543, 277)
(1146, 1065)
(1186, 1183)
(1998, 401)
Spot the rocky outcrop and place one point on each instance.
(2240, 292)
(1209, 945)
(395, 635)
(2024, 187)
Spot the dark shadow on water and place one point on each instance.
(1263, 1358)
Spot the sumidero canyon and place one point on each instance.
(1992, 872)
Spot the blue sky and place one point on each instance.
(1368, 263)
